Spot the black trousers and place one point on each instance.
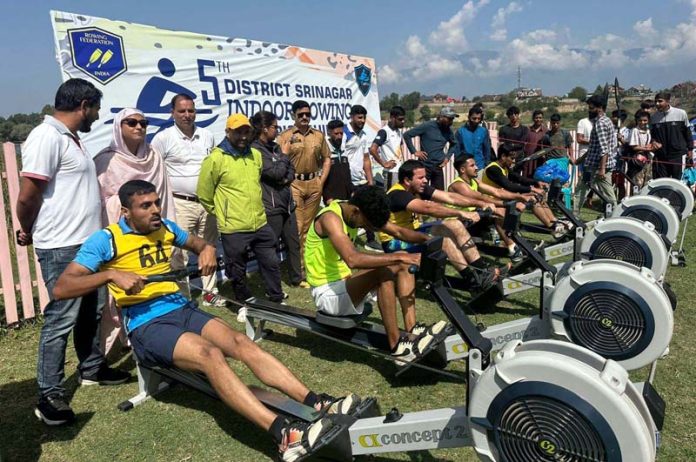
(667, 168)
(436, 177)
(285, 227)
(264, 244)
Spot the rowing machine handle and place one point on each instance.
(413, 269)
(172, 276)
(484, 213)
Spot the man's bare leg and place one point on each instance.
(194, 353)
(265, 366)
(406, 292)
(457, 232)
(542, 212)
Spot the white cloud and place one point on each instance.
(498, 24)
(437, 67)
(608, 41)
(414, 47)
(542, 35)
(388, 74)
(646, 30)
(450, 33)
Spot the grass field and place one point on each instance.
(183, 425)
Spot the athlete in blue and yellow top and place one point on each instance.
(331, 257)
(168, 330)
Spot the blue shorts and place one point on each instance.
(154, 342)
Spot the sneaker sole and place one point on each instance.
(49, 422)
(316, 431)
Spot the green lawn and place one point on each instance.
(184, 425)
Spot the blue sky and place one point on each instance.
(456, 47)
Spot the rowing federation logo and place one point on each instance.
(363, 76)
(98, 53)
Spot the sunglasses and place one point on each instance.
(133, 122)
(302, 115)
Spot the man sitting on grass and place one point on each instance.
(331, 257)
(166, 329)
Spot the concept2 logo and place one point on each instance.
(98, 53)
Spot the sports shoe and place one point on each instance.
(304, 285)
(53, 410)
(343, 405)
(516, 255)
(299, 438)
(213, 299)
(433, 329)
(105, 376)
(374, 246)
(404, 351)
(558, 230)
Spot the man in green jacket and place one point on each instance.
(229, 186)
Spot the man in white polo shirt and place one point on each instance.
(386, 147)
(183, 147)
(58, 209)
(355, 149)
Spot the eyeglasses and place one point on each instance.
(133, 122)
(302, 115)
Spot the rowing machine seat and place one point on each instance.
(344, 322)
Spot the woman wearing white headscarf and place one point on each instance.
(128, 157)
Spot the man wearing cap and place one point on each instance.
(309, 154)
(434, 136)
(229, 187)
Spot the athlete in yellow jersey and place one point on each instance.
(167, 330)
(467, 185)
(331, 258)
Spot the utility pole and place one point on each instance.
(519, 77)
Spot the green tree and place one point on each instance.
(410, 118)
(599, 90)
(578, 92)
(20, 132)
(411, 101)
(388, 101)
(425, 112)
(47, 110)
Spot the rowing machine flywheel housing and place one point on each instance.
(546, 400)
(653, 209)
(677, 193)
(612, 308)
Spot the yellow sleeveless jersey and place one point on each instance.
(473, 184)
(322, 262)
(487, 180)
(404, 218)
(145, 255)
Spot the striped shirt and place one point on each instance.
(602, 143)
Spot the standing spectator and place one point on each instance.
(474, 140)
(600, 158)
(648, 105)
(514, 136)
(355, 148)
(582, 136)
(58, 209)
(183, 147)
(560, 141)
(669, 126)
(623, 134)
(338, 185)
(434, 135)
(229, 187)
(276, 177)
(386, 148)
(641, 149)
(128, 157)
(536, 132)
(309, 154)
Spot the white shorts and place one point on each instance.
(334, 300)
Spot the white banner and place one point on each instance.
(144, 67)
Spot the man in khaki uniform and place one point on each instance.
(309, 153)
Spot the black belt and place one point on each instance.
(339, 160)
(306, 176)
(185, 197)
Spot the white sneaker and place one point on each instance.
(213, 298)
(241, 314)
(404, 352)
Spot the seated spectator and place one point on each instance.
(128, 157)
(229, 187)
(276, 176)
(167, 330)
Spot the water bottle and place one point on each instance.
(495, 237)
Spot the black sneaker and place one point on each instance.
(105, 376)
(54, 410)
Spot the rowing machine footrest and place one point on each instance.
(344, 322)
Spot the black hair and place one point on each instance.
(647, 104)
(179, 96)
(73, 92)
(596, 101)
(479, 104)
(407, 168)
(459, 163)
(641, 113)
(299, 104)
(357, 109)
(133, 187)
(504, 151)
(620, 114)
(334, 124)
(665, 95)
(397, 111)
(512, 110)
(475, 110)
(261, 120)
(372, 202)
(555, 117)
(537, 112)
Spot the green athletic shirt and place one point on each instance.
(322, 262)
(473, 184)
